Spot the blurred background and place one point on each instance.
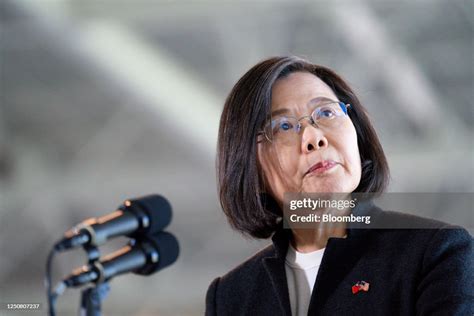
(103, 100)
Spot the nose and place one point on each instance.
(313, 138)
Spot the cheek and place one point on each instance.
(277, 169)
(266, 164)
(350, 150)
(282, 161)
(287, 159)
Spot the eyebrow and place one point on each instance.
(311, 102)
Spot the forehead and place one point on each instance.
(294, 91)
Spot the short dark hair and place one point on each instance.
(246, 110)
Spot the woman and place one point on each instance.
(292, 126)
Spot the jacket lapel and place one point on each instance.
(275, 268)
(340, 256)
(276, 271)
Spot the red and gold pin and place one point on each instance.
(360, 286)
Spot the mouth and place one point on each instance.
(321, 167)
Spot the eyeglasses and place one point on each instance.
(285, 129)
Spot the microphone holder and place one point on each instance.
(92, 297)
(93, 253)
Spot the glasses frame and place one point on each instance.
(344, 107)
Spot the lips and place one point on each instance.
(321, 167)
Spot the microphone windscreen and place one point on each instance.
(157, 209)
(167, 247)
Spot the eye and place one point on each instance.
(285, 126)
(282, 125)
(324, 113)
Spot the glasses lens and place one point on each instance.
(326, 114)
(285, 130)
(282, 130)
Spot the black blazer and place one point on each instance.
(410, 272)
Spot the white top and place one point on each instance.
(301, 271)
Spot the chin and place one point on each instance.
(325, 189)
(326, 186)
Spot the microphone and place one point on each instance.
(136, 217)
(147, 256)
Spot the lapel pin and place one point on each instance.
(360, 286)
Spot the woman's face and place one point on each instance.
(294, 167)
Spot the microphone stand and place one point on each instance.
(92, 297)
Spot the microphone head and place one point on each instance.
(156, 208)
(167, 247)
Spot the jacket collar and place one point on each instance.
(340, 256)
